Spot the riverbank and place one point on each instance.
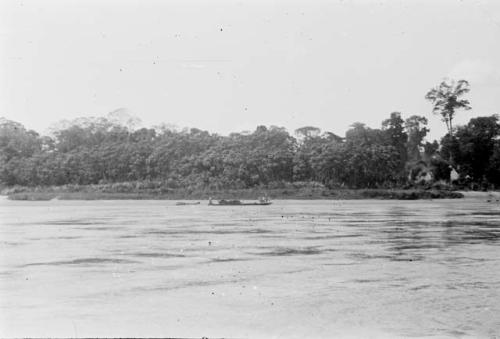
(490, 196)
(95, 192)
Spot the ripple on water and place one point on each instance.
(157, 255)
(331, 236)
(287, 251)
(11, 243)
(100, 228)
(201, 232)
(416, 246)
(82, 261)
(72, 222)
(362, 256)
(216, 260)
(483, 213)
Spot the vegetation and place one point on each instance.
(288, 191)
(446, 100)
(106, 156)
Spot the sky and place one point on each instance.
(229, 66)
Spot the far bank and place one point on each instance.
(127, 192)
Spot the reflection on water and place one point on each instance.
(293, 269)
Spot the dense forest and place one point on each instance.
(107, 150)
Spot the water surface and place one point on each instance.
(294, 269)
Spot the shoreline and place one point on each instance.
(494, 195)
(87, 193)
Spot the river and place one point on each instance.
(295, 269)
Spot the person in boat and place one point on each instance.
(263, 199)
(210, 201)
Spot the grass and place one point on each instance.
(302, 193)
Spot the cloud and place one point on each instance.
(477, 72)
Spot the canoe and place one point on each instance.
(238, 203)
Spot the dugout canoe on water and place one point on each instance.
(224, 202)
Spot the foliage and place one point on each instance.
(416, 129)
(115, 157)
(446, 100)
(396, 136)
(473, 148)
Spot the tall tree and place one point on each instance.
(394, 135)
(446, 100)
(416, 129)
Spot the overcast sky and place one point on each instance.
(228, 66)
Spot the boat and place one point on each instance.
(182, 203)
(223, 202)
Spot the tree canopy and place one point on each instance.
(446, 99)
(116, 149)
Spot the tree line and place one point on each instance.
(103, 150)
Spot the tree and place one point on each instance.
(493, 170)
(332, 137)
(446, 100)
(416, 129)
(360, 134)
(311, 146)
(395, 135)
(372, 166)
(17, 141)
(330, 166)
(430, 149)
(96, 150)
(473, 146)
(307, 132)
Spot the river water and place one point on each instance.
(295, 269)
